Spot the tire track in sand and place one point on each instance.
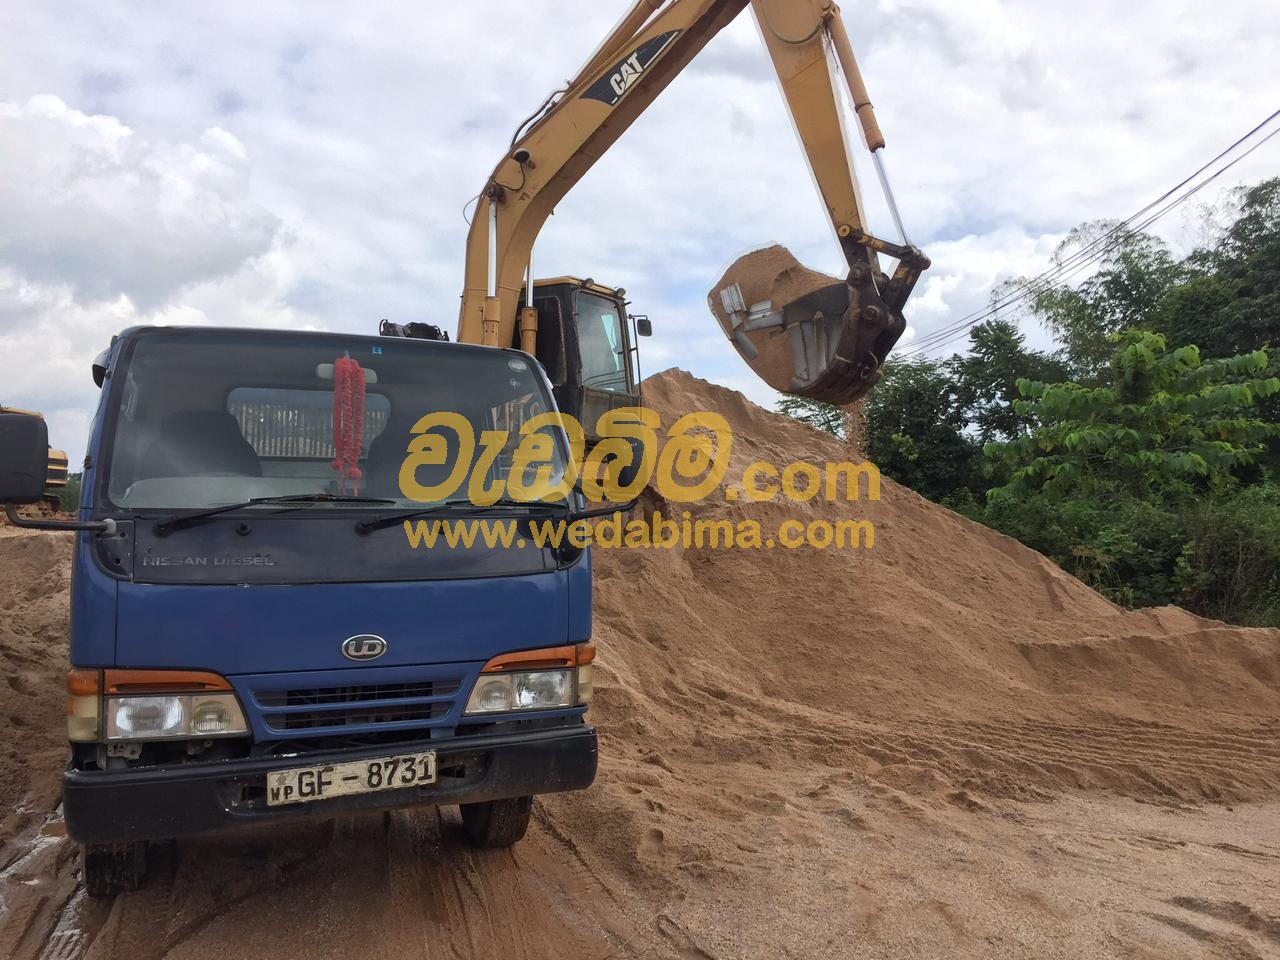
(392, 884)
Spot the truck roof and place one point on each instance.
(132, 332)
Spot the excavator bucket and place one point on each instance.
(804, 332)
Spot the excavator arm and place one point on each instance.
(838, 340)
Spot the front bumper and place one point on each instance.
(152, 803)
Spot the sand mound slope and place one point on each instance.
(35, 574)
(946, 658)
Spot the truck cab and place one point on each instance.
(253, 634)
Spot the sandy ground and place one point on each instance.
(858, 870)
(944, 746)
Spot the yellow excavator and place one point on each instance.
(56, 478)
(836, 338)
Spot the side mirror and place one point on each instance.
(24, 458)
(24, 473)
(644, 327)
(627, 475)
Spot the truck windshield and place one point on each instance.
(207, 418)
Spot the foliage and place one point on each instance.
(1230, 301)
(1136, 272)
(1230, 568)
(826, 417)
(987, 378)
(69, 496)
(916, 430)
(1224, 298)
(1134, 487)
(1169, 424)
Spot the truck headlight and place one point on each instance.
(119, 705)
(160, 718)
(145, 718)
(547, 679)
(216, 716)
(522, 690)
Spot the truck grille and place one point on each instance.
(338, 709)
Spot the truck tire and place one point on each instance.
(497, 823)
(110, 868)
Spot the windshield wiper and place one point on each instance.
(365, 527)
(178, 521)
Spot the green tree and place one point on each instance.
(1134, 486)
(1229, 302)
(916, 430)
(1229, 568)
(987, 378)
(826, 417)
(1168, 423)
(69, 496)
(1136, 272)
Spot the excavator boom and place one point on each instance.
(837, 347)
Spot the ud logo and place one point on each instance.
(610, 88)
(364, 647)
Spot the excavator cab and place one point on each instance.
(587, 345)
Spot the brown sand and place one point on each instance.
(944, 746)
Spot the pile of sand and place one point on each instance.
(949, 662)
(947, 655)
(35, 573)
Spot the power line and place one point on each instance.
(1097, 249)
(1082, 259)
(1086, 255)
(1072, 266)
(1069, 274)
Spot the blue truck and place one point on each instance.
(253, 636)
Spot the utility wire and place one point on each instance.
(1095, 250)
(1029, 290)
(941, 339)
(1087, 255)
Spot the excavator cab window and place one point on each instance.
(582, 330)
(600, 343)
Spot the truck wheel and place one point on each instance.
(498, 823)
(112, 867)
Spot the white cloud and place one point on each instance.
(91, 205)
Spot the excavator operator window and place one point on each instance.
(601, 346)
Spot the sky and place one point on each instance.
(306, 165)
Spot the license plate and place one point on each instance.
(304, 784)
